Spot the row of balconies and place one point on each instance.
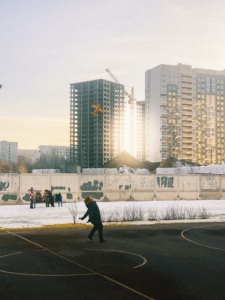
(187, 101)
(166, 149)
(186, 78)
(186, 124)
(187, 113)
(186, 96)
(186, 85)
(186, 130)
(186, 107)
(186, 91)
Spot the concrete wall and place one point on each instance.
(118, 187)
(66, 184)
(9, 188)
(39, 182)
(14, 188)
(210, 186)
(142, 187)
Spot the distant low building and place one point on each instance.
(9, 151)
(34, 155)
(50, 151)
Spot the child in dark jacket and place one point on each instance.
(94, 217)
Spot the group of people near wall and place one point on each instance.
(47, 197)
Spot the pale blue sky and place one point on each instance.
(46, 45)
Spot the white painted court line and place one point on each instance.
(41, 275)
(145, 260)
(117, 282)
(182, 234)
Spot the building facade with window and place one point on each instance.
(9, 151)
(184, 114)
(95, 140)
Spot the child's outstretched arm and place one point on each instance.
(85, 215)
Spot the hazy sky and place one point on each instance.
(46, 45)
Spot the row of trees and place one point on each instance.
(25, 164)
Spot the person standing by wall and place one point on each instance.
(58, 197)
(51, 198)
(38, 197)
(31, 197)
(46, 198)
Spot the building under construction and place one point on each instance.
(95, 140)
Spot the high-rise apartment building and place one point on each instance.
(140, 139)
(9, 151)
(95, 140)
(184, 114)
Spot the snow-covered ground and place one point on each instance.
(21, 216)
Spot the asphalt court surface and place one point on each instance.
(175, 261)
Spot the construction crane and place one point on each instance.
(132, 101)
(117, 81)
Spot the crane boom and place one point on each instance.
(117, 81)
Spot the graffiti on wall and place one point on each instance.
(126, 187)
(3, 186)
(58, 188)
(9, 197)
(165, 182)
(89, 187)
(69, 196)
(92, 188)
(26, 197)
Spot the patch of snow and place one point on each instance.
(45, 171)
(184, 168)
(21, 216)
(179, 164)
(129, 170)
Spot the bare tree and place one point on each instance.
(73, 210)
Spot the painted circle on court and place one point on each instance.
(203, 245)
(40, 275)
(67, 275)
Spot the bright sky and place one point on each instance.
(46, 45)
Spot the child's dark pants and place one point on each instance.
(98, 227)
